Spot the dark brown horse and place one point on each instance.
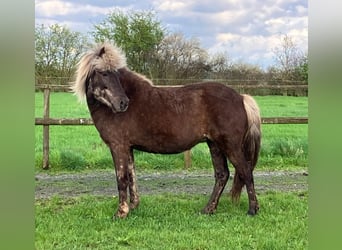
(130, 113)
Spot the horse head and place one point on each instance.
(98, 78)
(106, 88)
(104, 84)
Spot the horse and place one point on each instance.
(129, 113)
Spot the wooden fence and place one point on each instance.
(46, 121)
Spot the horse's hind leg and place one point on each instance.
(134, 197)
(245, 173)
(221, 176)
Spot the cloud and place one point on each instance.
(227, 37)
(53, 8)
(276, 25)
(78, 16)
(246, 29)
(255, 49)
(171, 5)
(226, 17)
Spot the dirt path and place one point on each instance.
(199, 182)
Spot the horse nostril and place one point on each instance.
(123, 105)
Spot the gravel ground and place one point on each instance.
(197, 182)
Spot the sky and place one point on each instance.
(246, 30)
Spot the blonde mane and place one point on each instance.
(112, 59)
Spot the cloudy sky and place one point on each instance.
(247, 30)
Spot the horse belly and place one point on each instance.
(165, 148)
(167, 143)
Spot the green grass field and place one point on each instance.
(80, 147)
(173, 222)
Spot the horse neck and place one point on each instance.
(133, 82)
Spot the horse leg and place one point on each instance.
(244, 171)
(221, 177)
(121, 160)
(134, 196)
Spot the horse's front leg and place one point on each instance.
(121, 162)
(133, 192)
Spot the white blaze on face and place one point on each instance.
(100, 96)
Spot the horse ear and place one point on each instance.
(102, 51)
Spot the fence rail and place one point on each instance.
(89, 121)
(46, 121)
(66, 88)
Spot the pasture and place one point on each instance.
(173, 221)
(170, 220)
(80, 148)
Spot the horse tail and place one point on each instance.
(251, 142)
(252, 139)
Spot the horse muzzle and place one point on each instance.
(120, 105)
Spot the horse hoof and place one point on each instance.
(208, 211)
(252, 212)
(118, 215)
(122, 211)
(134, 204)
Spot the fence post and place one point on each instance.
(187, 159)
(46, 133)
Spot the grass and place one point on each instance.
(80, 147)
(172, 222)
(282, 106)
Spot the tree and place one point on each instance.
(303, 69)
(219, 65)
(138, 33)
(246, 72)
(288, 58)
(57, 51)
(179, 58)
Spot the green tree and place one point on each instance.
(57, 51)
(138, 33)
